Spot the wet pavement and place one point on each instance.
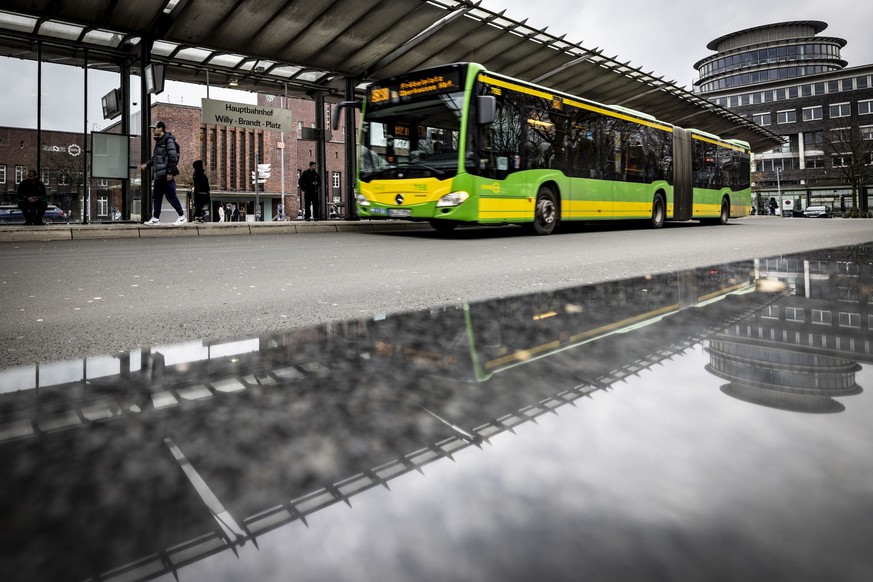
(709, 424)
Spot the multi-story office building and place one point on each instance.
(791, 80)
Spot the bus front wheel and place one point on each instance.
(443, 225)
(659, 211)
(545, 212)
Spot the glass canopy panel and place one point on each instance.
(17, 22)
(197, 55)
(103, 38)
(226, 60)
(163, 49)
(61, 30)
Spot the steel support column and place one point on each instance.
(350, 148)
(320, 154)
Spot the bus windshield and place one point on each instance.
(413, 140)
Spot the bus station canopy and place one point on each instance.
(304, 46)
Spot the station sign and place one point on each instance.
(245, 116)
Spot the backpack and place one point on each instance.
(179, 153)
(178, 150)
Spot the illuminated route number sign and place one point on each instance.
(416, 86)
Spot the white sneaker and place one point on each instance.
(180, 220)
(152, 221)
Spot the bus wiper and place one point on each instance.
(436, 171)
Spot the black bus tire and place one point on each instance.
(724, 214)
(659, 211)
(443, 225)
(545, 212)
(725, 211)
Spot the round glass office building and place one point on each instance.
(771, 52)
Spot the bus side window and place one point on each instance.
(500, 142)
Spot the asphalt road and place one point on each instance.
(70, 299)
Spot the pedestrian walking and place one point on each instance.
(309, 183)
(201, 191)
(221, 213)
(165, 165)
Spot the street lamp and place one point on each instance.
(779, 190)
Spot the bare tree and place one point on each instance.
(850, 148)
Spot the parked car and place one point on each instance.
(817, 212)
(11, 214)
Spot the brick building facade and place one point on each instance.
(231, 154)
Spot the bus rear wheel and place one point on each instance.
(545, 212)
(659, 211)
(723, 216)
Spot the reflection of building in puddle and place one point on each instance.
(783, 379)
(802, 350)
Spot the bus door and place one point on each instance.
(499, 146)
(683, 187)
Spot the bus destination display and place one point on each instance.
(411, 88)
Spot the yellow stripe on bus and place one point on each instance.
(725, 291)
(506, 207)
(718, 143)
(524, 355)
(414, 191)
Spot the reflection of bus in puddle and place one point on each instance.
(478, 340)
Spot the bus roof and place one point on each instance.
(617, 108)
(636, 113)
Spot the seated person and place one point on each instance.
(31, 199)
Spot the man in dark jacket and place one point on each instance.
(164, 163)
(309, 183)
(31, 199)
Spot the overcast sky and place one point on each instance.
(669, 36)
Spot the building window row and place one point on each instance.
(794, 92)
(770, 56)
(845, 319)
(781, 164)
(48, 177)
(755, 77)
(811, 162)
(812, 113)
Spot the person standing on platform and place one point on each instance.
(201, 191)
(165, 162)
(309, 183)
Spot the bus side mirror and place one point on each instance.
(486, 109)
(338, 110)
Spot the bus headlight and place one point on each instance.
(362, 200)
(452, 199)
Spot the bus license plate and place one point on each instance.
(399, 212)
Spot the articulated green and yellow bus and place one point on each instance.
(458, 144)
